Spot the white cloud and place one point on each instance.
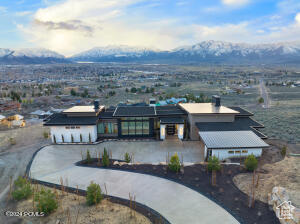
(73, 25)
(297, 18)
(23, 13)
(235, 3)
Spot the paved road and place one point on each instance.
(175, 202)
(264, 94)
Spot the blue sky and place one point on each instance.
(70, 26)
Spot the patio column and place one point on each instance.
(180, 131)
(162, 131)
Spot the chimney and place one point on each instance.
(216, 100)
(152, 102)
(96, 105)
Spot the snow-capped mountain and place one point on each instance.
(203, 52)
(30, 56)
(219, 48)
(112, 52)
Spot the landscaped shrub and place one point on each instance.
(105, 158)
(174, 163)
(90, 138)
(251, 162)
(46, 134)
(46, 201)
(93, 194)
(88, 157)
(213, 164)
(127, 157)
(22, 189)
(283, 151)
(12, 141)
(261, 100)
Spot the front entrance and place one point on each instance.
(171, 129)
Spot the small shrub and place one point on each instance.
(22, 189)
(174, 164)
(88, 157)
(251, 163)
(105, 158)
(46, 134)
(213, 164)
(46, 201)
(12, 141)
(72, 138)
(261, 100)
(127, 157)
(90, 138)
(283, 151)
(93, 194)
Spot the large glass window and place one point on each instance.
(146, 127)
(124, 128)
(135, 126)
(107, 128)
(139, 127)
(131, 128)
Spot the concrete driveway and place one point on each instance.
(177, 203)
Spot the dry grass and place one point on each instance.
(73, 209)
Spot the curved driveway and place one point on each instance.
(177, 203)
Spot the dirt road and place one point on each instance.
(14, 158)
(264, 94)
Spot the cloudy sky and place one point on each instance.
(71, 26)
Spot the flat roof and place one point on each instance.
(231, 139)
(82, 109)
(206, 108)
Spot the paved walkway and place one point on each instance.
(175, 202)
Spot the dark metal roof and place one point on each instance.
(239, 124)
(231, 139)
(169, 110)
(108, 113)
(243, 112)
(134, 111)
(63, 119)
(171, 120)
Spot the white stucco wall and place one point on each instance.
(180, 131)
(223, 153)
(162, 131)
(84, 130)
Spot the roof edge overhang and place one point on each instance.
(69, 124)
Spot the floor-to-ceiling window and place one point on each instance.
(135, 126)
(107, 127)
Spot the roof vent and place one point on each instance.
(96, 105)
(216, 100)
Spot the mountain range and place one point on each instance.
(213, 52)
(30, 56)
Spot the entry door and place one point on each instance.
(170, 129)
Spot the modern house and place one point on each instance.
(222, 131)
